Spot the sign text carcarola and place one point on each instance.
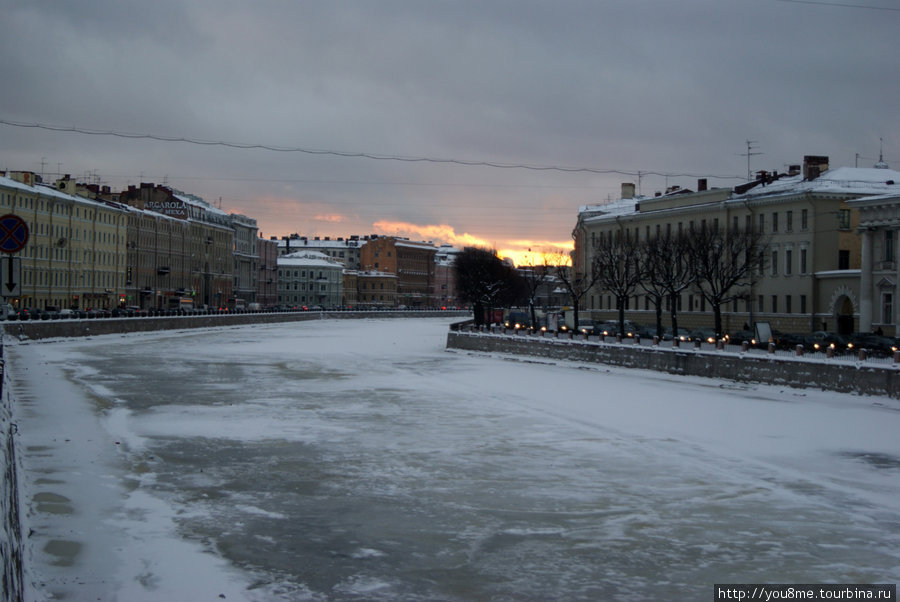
(176, 209)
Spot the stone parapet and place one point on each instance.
(797, 372)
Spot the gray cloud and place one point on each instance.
(648, 85)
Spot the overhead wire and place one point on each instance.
(358, 154)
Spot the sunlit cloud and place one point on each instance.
(437, 233)
(332, 218)
(520, 252)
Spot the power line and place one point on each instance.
(841, 4)
(349, 154)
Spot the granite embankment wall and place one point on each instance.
(10, 526)
(800, 372)
(38, 329)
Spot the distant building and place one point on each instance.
(445, 276)
(197, 238)
(343, 250)
(309, 278)
(246, 257)
(267, 278)
(412, 263)
(376, 289)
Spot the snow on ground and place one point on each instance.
(585, 479)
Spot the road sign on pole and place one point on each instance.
(13, 233)
(11, 272)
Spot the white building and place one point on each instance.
(309, 278)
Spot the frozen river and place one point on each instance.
(360, 460)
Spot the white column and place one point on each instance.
(865, 283)
(895, 301)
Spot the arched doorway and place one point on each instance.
(844, 315)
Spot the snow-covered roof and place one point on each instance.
(852, 181)
(319, 243)
(45, 190)
(842, 180)
(190, 199)
(415, 245)
(309, 259)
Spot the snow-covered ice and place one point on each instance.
(362, 460)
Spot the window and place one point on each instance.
(789, 218)
(843, 259)
(760, 305)
(804, 219)
(888, 245)
(774, 264)
(843, 219)
(774, 304)
(775, 222)
(802, 261)
(762, 223)
(887, 308)
(788, 255)
(787, 304)
(802, 304)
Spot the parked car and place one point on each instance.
(517, 320)
(738, 337)
(875, 344)
(705, 335)
(682, 334)
(821, 340)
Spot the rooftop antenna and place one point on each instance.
(748, 154)
(881, 164)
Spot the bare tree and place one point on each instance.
(653, 256)
(724, 264)
(485, 281)
(668, 269)
(576, 284)
(535, 276)
(616, 262)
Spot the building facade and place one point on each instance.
(75, 256)
(376, 289)
(246, 257)
(412, 263)
(197, 236)
(267, 279)
(811, 274)
(311, 279)
(879, 228)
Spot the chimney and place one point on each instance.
(702, 185)
(627, 190)
(813, 166)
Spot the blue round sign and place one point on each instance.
(13, 233)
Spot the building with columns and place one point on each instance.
(879, 226)
(814, 264)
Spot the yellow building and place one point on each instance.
(812, 265)
(75, 256)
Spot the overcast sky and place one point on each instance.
(651, 86)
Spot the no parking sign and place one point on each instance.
(13, 237)
(13, 233)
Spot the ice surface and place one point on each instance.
(361, 460)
